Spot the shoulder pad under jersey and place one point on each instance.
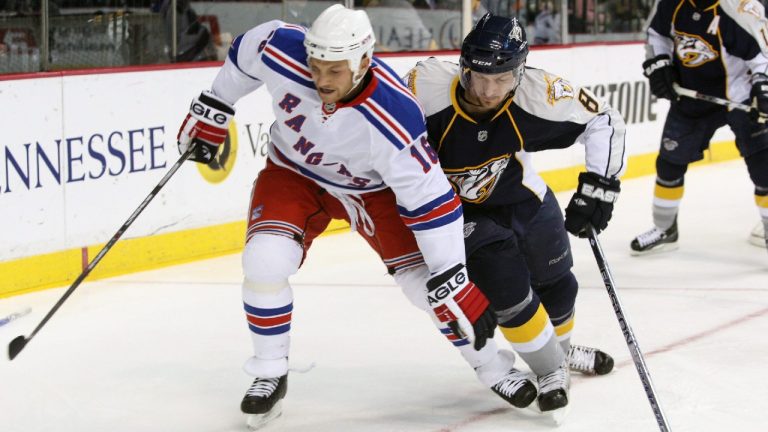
(430, 80)
(750, 15)
(551, 97)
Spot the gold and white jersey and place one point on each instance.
(489, 162)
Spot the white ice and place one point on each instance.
(162, 350)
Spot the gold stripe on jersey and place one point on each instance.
(530, 330)
(525, 178)
(445, 134)
(674, 193)
(514, 125)
(761, 201)
(726, 69)
(504, 108)
(455, 102)
(460, 111)
(677, 9)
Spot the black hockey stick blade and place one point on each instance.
(16, 345)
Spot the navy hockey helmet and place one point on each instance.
(496, 45)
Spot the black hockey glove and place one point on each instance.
(759, 96)
(592, 204)
(458, 302)
(661, 74)
(205, 127)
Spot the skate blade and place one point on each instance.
(558, 416)
(664, 247)
(258, 421)
(555, 416)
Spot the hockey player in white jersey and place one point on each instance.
(716, 48)
(349, 142)
(484, 117)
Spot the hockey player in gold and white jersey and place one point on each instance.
(484, 118)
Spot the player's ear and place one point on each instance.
(365, 62)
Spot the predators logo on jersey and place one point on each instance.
(692, 50)
(751, 7)
(475, 184)
(558, 88)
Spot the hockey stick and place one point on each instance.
(18, 344)
(629, 336)
(693, 94)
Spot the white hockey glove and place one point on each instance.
(458, 302)
(205, 127)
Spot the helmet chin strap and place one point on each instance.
(357, 78)
(357, 81)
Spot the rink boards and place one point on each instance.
(81, 150)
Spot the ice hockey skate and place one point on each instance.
(589, 361)
(553, 392)
(262, 401)
(655, 240)
(757, 236)
(516, 388)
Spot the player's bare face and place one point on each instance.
(333, 79)
(489, 91)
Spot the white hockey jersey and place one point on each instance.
(375, 141)
(489, 162)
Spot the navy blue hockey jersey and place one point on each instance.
(714, 48)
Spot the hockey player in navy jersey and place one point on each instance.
(484, 118)
(349, 142)
(716, 48)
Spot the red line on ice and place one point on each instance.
(666, 348)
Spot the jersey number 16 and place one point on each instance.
(431, 154)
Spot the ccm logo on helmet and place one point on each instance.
(206, 112)
(481, 63)
(445, 290)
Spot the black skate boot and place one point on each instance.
(589, 361)
(516, 388)
(655, 240)
(262, 400)
(553, 389)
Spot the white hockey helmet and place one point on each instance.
(341, 34)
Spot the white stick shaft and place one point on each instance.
(693, 94)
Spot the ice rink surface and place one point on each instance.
(162, 350)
